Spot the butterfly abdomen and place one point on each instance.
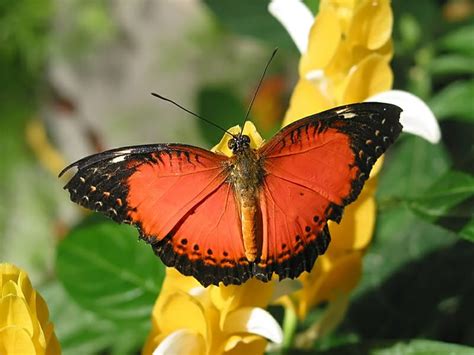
(246, 176)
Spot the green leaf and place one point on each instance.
(451, 64)
(460, 40)
(397, 347)
(410, 31)
(410, 167)
(25, 29)
(455, 101)
(400, 238)
(251, 18)
(423, 347)
(468, 231)
(313, 5)
(448, 202)
(219, 105)
(107, 271)
(72, 324)
(411, 271)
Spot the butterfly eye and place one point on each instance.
(246, 139)
(231, 144)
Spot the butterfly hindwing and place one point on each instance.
(207, 244)
(293, 234)
(314, 168)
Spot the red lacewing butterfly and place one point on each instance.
(259, 212)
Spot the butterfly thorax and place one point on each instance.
(246, 175)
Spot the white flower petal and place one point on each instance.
(297, 19)
(197, 291)
(180, 342)
(416, 118)
(255, 321)
(319, 79)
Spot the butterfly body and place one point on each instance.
(258, 212)
(246, 174)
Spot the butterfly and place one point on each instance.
(256, 213)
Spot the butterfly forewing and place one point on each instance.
(314, 167)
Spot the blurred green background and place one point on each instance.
(76, 78)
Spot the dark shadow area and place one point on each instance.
(430, 298)
(457, 137)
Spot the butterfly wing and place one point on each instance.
(314, 168)
(178, 198)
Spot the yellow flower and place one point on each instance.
(24, 318)
(188, 318)
(346, 60)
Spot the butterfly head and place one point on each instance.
(239, 143)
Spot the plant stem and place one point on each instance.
(290, 321)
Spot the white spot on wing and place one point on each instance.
(118, 159)
(349, 114)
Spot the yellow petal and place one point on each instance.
(306, 100)
(376, 168)
(371, 76)
(330, 276)
(22, 307)
(176, 281)
(244, 345)
(8, 272)
(344, 10)
(182, 311)
(253, 293)
(27, 289)
(256, 140)
(15, 340)
(324, 39)
(11, 288)
(52, 344)
(15, 312)
(182, 341)
(356, 228)
(333, 314)
(41, 309)
(342, 276)
(372, 23)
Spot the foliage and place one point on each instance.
(417, 280)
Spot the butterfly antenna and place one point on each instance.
(192, 113)
(258, 87)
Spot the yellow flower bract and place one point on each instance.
(348, 56)
(24, 317)
(347, 61)
(209, 320)
(256, 141)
